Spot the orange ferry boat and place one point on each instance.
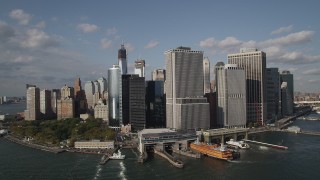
(219, 152)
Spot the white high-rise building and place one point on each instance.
(89, 91)
(231, 95)
(103, 86)
(186, 108)
(254, 64)
(139, 67)
(158, 75)
(45, 103)
(33, 103)
(115, 96)
(101, 111)
(206, 75)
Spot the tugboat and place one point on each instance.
(239, 144)
(117, 156)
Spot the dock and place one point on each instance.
(172, 160)
(267, 144)
(187, 153)
(104, 159)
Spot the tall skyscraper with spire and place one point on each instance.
(122, 57)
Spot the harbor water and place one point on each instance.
(300, 161)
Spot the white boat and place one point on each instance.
(117, 155)
(239, 144)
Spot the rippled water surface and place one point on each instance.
(300, 161)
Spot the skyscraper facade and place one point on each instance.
(67, 92)
(158, 75)
(32, 111)
(137, 108)
(139, 67)
(206, 75)
(101, 111)
(55, 96)
(77, 88)
(254, 64)
(65, 108)
(45, 104)
(231, 95)
(103, 86)
(273, 94)
(186, 108)
(89, 91)
(115, 96)
(286, 100)
(155, 105)
(122, 57)
(287, 77)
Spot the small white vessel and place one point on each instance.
(240, 144)
(117, 155)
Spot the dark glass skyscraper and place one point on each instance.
(133, 101)
(155, 105)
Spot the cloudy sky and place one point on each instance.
(50, 43)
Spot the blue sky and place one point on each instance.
(49, 43)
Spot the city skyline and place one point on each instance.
(52, 45)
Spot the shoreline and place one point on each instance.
(57, 150)
(33, 145)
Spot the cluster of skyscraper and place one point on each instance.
(180, 97)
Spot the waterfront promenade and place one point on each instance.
(32, 145)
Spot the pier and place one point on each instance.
(104, 159)
(171, 159)
(267, 144)
(187, 153)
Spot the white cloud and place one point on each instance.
(19, 15)
(105, 43)
(129, 46)
(112, 31)
(36, 38)
(41, 25)
(293, 38)
(311, 72)
(23, 59)
(225, 43)
(88, 28)
(230, 41)
(282, 30)
(207, 43)
(152, 44)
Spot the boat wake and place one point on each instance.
(122, 171)
(97, 175)
(237, 161)
(263, 148)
